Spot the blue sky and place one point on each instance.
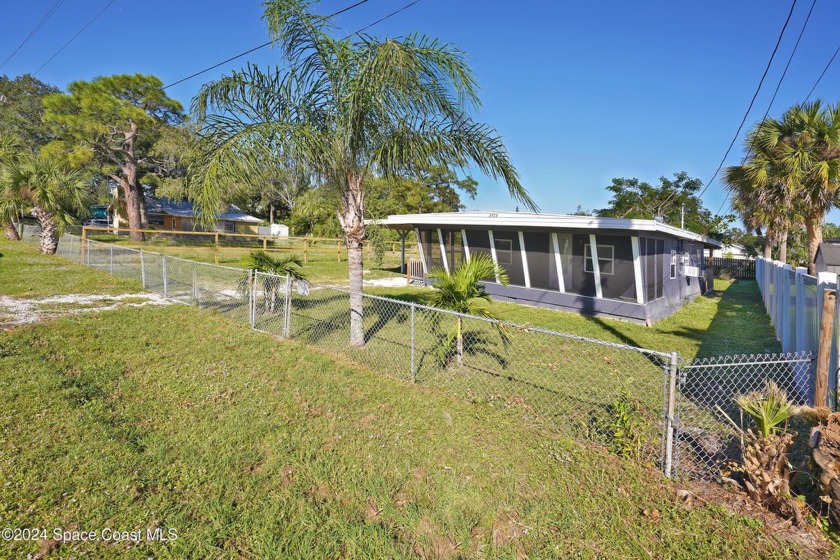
(581, 91)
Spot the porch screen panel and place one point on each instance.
(618, 279)
(541, 267)
(583, 283)
(479, 243)
(507, 252)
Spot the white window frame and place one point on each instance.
(602, 259)
(672, 265)
(500, 251)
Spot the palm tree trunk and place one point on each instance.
(768, 243)
(351, 217)
(49, 232)
(10, 231)
(783, 242)
(813, 228)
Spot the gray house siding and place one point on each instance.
(662, 295)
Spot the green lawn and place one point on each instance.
(254, 447)
(730, 320)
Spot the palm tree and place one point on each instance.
(288, 266)
(461, 291)
(348, 109)
(799, 155)
(10, 208)
(54, 193)
(765, 206)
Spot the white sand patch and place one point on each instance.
(395, 282)
(23, 311)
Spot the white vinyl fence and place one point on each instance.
(794, 302)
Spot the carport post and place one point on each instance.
(669, 419)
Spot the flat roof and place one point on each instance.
(529, 219)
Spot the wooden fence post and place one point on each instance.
(305, 249)
(824, 349)
(216, 250)
(265, 243)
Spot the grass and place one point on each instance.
(730, 320)
(24, 274)
(258, 448)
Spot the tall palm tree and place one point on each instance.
(461, 291)
(348, 109)
(766, 206)
(800, 155)
(54, 193)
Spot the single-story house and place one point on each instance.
(732, 251)
(181, 216)
(827, 258)
(640, 270)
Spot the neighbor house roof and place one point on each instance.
(185, 209)
(528, 219)
(830, 250)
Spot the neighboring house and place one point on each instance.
(733, 251)
(827, 258)
(181, 216)
(641, 270)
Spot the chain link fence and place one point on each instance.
(706, 408)
(637, 402)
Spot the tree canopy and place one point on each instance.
(114, 122)
(666, 201)
(22, 107)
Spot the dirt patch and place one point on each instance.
(508, 530)
(805, 537)
(15, 312)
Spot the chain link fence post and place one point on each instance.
(195, 287)
(252, 298)
(143, 268)
(111, 260)
(163, 274)
(287, 311)
(413, 371)
(673, 368)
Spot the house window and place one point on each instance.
(504, 250)
(230, 227)
(606, 259)
(673, 271)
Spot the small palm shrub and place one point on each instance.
(461, 291)
(765, 450)
(286, 266)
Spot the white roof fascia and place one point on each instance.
(522, 219)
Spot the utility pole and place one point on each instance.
(682, 216)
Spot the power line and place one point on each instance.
(823, 73)
(752, 101)
(258, 47)
(790, 58)
(35, 29)
(775, 92)
(73, 38)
